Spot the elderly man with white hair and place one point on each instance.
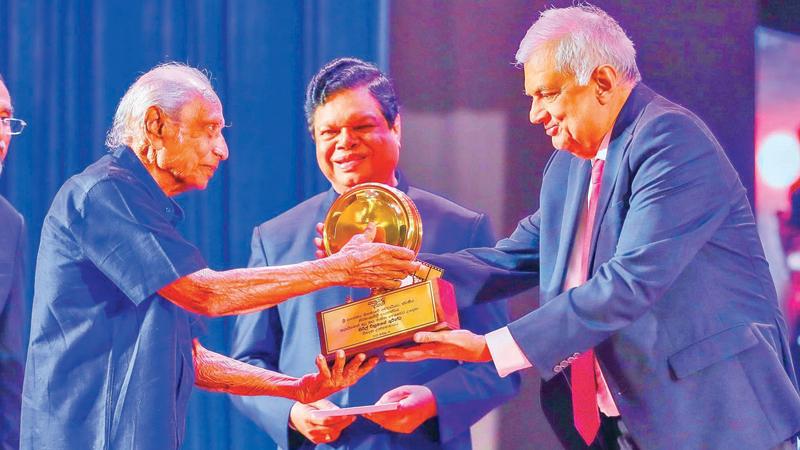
(659, 326)
(113, 354)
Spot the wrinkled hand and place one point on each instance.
(461, 345)
(318, 430)
(363, 263)
(316, 386)
(417, 404)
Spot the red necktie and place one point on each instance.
(584, 385)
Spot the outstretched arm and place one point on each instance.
(681, 196)
(460, 345)
(360, 263)
(458, 397)
(218, 373)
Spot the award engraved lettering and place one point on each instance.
(388, 319)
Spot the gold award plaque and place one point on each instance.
(389, 318)
(392, 211)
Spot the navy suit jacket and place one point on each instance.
(11, 322)
(285, 338)
(680, 307)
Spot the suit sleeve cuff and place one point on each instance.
(506, 354)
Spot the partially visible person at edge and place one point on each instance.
(659, 326)
(12, 243)
(112, 358)
(354, 120)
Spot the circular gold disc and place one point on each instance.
(394, 214)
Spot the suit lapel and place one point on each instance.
(621, 137)
(577, 186)
(614, 157)
(9, 236)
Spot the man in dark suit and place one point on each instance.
(12, 232)
(659, 326)
(353, 117)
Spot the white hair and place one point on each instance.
(583, 37)
(168, 86)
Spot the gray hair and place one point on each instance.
(168, 86)
(583, 37)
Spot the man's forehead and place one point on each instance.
(206, 108)
(360, 94)
(5, 98)
(356, 102)
(540, 70)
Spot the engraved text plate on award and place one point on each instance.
(389, 319)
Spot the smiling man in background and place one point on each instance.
(354, 119)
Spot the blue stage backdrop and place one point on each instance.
(68, 63)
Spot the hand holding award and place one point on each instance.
(391, 318)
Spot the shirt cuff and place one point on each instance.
(506, 354)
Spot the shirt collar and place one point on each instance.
(601, 154)
(127, 159)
